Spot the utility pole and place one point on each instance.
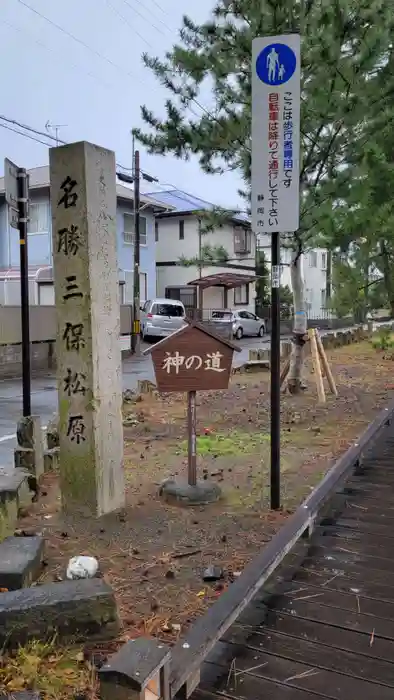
(135, 179)
(200, 291)
(136, 337)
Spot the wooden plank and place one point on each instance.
(340, 538)
(348, 535)
(341, 567)
(347, 583)
(326, 366)
(321, 394)
(382, 516)
(349, 640)
(352, 602)
(357, 556)
(310, 610)
(248, 663)
(370, 528)
(256, 689)
(320, 656)
(325, 545)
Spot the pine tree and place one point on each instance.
(345, 44)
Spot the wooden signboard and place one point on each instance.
(192, 359)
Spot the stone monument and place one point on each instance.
(89, 373)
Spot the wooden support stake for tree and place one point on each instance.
(316, 366)
(285, 371)
(326, 366)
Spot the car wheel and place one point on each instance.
(261, 331)
(239, 333)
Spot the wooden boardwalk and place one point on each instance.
(327, 631)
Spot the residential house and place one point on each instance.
(41, 290)
(178, 235)
(315, 268)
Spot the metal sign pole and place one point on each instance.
(275, 372)
(23, 201)
(191, 439)
(276, 94)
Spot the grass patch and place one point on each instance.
(45, 668)
(223, 445)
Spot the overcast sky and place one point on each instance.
(47, 75)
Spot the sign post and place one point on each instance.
(17, 197)
(190, 360)
(275, 183)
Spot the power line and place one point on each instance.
(79, 41)
(27, 136)
(30, 128)
(104, 58)
(126, 21)
(159, 6)
(48, 48)
(137, 12)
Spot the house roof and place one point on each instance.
(230, 280)
(182, 202)
(39, 179)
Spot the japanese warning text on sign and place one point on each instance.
(275, 133)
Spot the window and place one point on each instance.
(173, 310)
(313, 258)
(143, 286)
(324, 261)
(129, 229)
(156, 231)
(38, 218)
(323, 298)
(241, 295)
(181, 230)
(242, 241)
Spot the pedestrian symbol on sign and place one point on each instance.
(276, 64)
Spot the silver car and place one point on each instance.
(161, 317)
(244, 323)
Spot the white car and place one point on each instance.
(161, 317)
(244, 323)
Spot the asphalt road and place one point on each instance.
(44, 394)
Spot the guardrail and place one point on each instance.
(146, 668)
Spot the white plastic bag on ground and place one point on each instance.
(82, 567)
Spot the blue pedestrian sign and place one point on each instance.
(276, 93)
(276, 64)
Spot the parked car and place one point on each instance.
(243, 322)
(161, 317)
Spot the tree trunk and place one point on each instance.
(295, 377)
(387, 276)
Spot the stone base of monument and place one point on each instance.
(51, 460)
(29, 454)
(14, 495)
(203, 493)
(20, 561)
(71, 610)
